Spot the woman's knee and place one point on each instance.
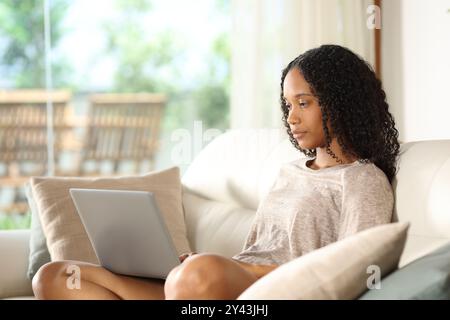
(51, 279)
(198, 277)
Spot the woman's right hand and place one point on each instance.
(184, 256)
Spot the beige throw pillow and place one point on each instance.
(342, 270)
(64, 231)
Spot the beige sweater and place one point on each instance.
(307, 209)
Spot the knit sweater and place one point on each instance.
(307, 209)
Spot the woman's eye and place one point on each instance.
(303, 104)
(288, 106)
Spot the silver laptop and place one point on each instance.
(127, 231)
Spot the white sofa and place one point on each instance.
(227, 180)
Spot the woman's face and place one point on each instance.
(305, 115)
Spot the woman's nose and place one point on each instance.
(293, 116)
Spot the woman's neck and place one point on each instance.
(325, 160)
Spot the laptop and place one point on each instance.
(127, 231)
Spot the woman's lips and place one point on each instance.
(298, 134)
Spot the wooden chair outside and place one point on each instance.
(23, 133)
(121, 127)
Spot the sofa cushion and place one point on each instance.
(424, 279)
(341, 270)
(14, 251)
(421, 196)
(215, 226)
(65, 234)
(240, 166)
(39, 254)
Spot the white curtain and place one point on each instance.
(268, 34)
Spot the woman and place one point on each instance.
(335, 112)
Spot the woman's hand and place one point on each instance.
(186, 255)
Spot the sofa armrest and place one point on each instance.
(14, 250)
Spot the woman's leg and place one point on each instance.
(208, 276)
(80, 280)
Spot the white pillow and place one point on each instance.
(341, 270)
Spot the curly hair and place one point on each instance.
(351, 97)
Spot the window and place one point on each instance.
(127, 75)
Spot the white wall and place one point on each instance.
(416, 66)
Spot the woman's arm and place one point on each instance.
(368, 201)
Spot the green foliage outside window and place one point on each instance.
(22, 42)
